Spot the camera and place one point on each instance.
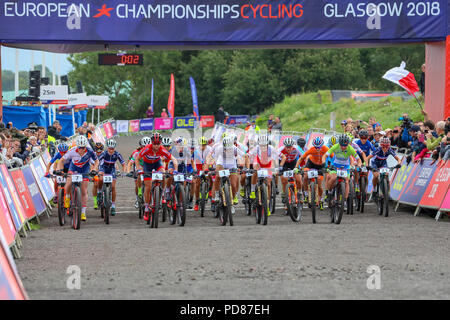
(407, 122)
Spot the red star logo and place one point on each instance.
(103, 12)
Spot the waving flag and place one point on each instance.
(403, 78)
(194, 99)
(171, 102)
(151, 103)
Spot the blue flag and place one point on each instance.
(194, 99)
(151, 103)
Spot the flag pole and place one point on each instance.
(420, 105)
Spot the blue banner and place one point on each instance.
(184, 123)
(235, 120)
(44, 183)
(146, 124)
(217, 21)
(194, 99)
(67, 124)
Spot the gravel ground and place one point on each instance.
(283, 260)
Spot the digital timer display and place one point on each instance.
(112, 59)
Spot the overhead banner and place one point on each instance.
(437, 187)
(163, 123)
(134, 126)
(227, 22)
(122, 126)
(54, 94)
(235, 120)
(185, 123)
(418, 183)
(146, 124)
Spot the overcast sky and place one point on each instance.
(9, 60)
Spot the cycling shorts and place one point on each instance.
(312, 165)
(149, 167)
(81, 170)
(108, 170)
(289, 166)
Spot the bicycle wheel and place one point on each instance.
(181, 206)
(294, 209)
(76, 210)
(61, 210)
(273, 196)
(107, 203)
(257, 205)
(155, 211)
(312, 200)
(248, 201)
(379, 200)
(264, 205)
(339, 208)
(350, 197)
(362, 200)
(386, 196)
(141, 206)
(203, 192)
(225, 208)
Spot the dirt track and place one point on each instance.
(283, 260)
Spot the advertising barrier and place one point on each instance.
(133, 126)
(437, 187)
(108, 130)
(401, 179)
(207, 121)
(185, 123)
(417, 183)
(9, 200)
(33, 187)
(44, 186)
(236, 120)
(6, 222)
(146, 125)
(122, 126)
(445, 206)
(23, 193)
(163, 123)
(14, 196)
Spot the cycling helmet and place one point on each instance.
(263, 140)
(166, 141)
(333, 140)
(145, 141)
(63, 147)
(301, 142)
(81, 142)
(156, 138)
(224, 135)
(363, 134)
(288, 142)
(318, 142)
(227, 142)
(385, 142)
(344, 140)
(99, 147)
(202, 141)
(111, 143)
(211, 141)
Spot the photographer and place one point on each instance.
(406, 125)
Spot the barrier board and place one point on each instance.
(133, 126)
(15, 198)
(23, 193)
(437, 187)
(33, 187)
(163, 123)
(6, 221)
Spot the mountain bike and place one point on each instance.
(382, 190)
(223, 207)
(351, 192)
(361, 196)
(273, 194)
(247, 201)
(314, 178)
(61, 182)
(177, 200)
(293, 200)
(155, 202)
(140, 198)
(104, 197)
(336, 198)
(204, 192)
(261, 202)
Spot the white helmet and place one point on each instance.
(111, 143)
(263, 140)
(166, 141)
(81, 141)
(288, 142)
(228, 142)
(145, 141)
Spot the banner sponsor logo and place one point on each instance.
(134, 126)
(108, 130)
(207, 121)
(122, 126)
(23, 193)
(34, 189)
(437, 186)
(236, 120)
(6, 221)
(186, 123)
(146, 125)
(14, 195)
(401, 179)
(9, 200)
(163, 123)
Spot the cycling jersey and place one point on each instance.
(79, 163)
(264, 157)
(227, 157)
(314, 155)
(379, 157)
(182, 154)
(57, 157)
(341, 158)
(241, 146)
(150, 156)
(108, 161)
(366, 147)
(291, 155)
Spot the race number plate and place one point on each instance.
(263, 173)
(60, 179)
(77, 178)
(384, 170)
(342, 173)
(312, 174)
(142, 177)
(288, 174)
(178, 178)
(249, 174)
(107, 179)
(224, 173)
(363, 169)
(189, 178)
(157, 176)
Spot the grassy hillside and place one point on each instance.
(301, 112)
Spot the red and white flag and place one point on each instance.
(403, 78)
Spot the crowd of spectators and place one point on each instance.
(417, 139)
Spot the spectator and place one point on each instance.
(32, 142)
(343, 124)
(164, 113)
(9, 125)
(395, 137)
(422, 81)
(149, 113)
(2, 125)
(270, 122)
(277, 124)
(373, 122)
(445, 148)
(447, 125)
(433, 142)
(220, 115)
(19, 152)
(370, 132)
(54, 132)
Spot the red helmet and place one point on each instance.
(156, 138)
